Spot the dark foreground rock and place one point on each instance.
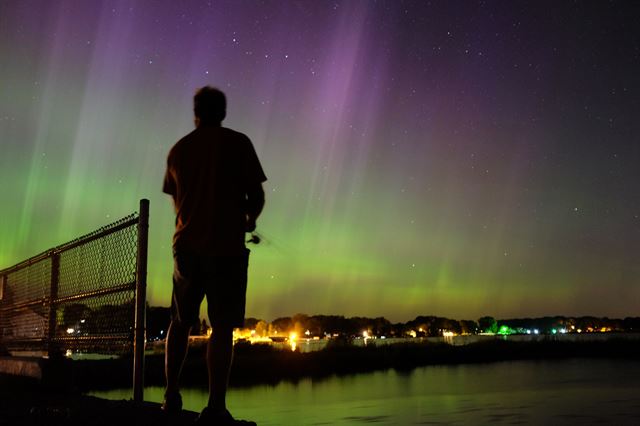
(27, 402)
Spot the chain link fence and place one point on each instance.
(77, 297)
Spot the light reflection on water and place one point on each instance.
(570, 392)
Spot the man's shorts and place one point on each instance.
(223, 279)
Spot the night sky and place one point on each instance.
(455, 158)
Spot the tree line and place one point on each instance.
(158, 319)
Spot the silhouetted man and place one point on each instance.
(215, 179)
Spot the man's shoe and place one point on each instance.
(222, 418)
(172, 403)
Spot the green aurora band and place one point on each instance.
(403, 180)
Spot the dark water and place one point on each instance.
(568, 392)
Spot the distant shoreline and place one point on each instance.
(262, 364)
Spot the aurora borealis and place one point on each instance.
(455, 158)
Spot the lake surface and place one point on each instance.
(567, 392)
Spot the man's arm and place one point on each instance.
(169, 186)
(255, 203)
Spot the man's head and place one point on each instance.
(209, 106)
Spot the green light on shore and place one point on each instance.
(505, 330)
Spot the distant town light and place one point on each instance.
(293, 336)
(70, 331)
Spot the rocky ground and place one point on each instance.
(25, 402)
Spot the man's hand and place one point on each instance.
(250, 225)
(255, 202)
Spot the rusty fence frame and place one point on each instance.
(48, 342)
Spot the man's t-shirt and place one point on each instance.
(208, 174)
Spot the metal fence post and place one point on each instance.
(52, 350)
(141, 300)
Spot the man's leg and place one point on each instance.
(219, 358)
(175, 354)
(185, 305)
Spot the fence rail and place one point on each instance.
(87, 295)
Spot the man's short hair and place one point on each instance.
(210, 105)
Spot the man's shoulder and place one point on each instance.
(198, 137)
(228, 133)
(182, 142)
(209, 133)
